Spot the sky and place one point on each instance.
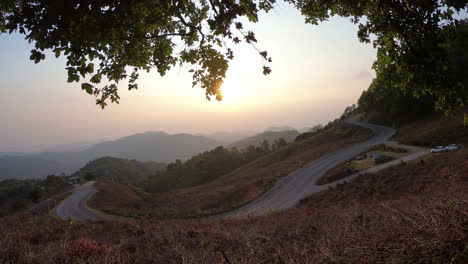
(317, 71)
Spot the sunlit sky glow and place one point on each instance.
(317, 72)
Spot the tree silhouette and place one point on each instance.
(143, 35)
(101, 39)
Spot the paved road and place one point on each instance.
(283, 195)
(74, 206)
(299, 184)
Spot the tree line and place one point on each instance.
(207, 166)
(17, 195)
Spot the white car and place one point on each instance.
(451, 147)
(438, 149)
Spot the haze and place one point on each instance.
(317, 72)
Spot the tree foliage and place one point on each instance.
(141, 35)
(390, 106)
(409, 37)
(16, 195)
(202, 168)
(384, 102)
(103, 39)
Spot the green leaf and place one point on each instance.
(90, 68)
(87, 87)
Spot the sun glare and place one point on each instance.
(231, 91)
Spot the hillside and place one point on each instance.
(148, 146)
(120, 170)
(270, 136)
(434, 130)
(242, 184)
(414, 213)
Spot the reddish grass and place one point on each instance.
(113, 197)
(241, 185)
(421, 217)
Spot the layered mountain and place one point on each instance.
(226, 137)
(148, 146)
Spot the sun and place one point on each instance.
(232, 91)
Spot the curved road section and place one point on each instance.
(299, 184)
(74, 206)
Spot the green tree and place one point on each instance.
(278, 143)
(265, 146)
(89, 176)
(101, 39)
(409, 37)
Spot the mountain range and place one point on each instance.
(151, 146)
(148, 146)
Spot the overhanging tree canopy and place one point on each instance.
(140, 35)
(409, 37)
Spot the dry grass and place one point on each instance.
(433, 131)
(243, 184)
(421, 216)
(114, 198)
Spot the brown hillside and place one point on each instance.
(434, 130)
(415, 213)
(243, 184)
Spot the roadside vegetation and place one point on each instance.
(234, 188)
(363, 161)
(206, 167)
(434, 130)
(18, 195)
(411, 213)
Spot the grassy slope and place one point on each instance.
(243, 184)
(433, 131)
(414, 213)
(270, 136)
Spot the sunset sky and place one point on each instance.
(317, 72)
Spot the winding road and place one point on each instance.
(301, 183)
(285, 194)
(74, 206)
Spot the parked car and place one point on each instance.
(451, 147)
(438, 149)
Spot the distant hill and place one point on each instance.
(148, 146)
(73, 147)
(153, 146)
(229, 137)
(20, 167)
(120, 170)
(2, 154)
(270, 136)
(279, 128)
